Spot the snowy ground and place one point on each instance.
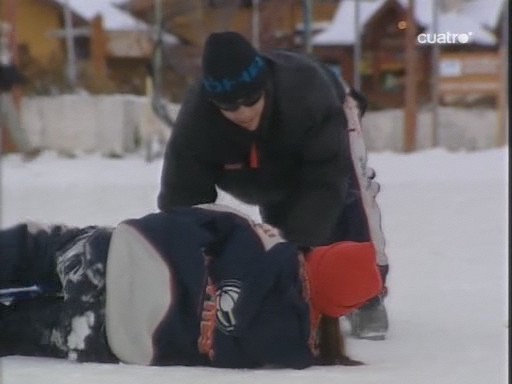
(445, 216)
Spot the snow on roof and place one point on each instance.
(114, 19)
(474, 16)
(315, 26)
(456, 23)
(342, 28)
(485, 12)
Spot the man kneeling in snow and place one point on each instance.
(194, 286)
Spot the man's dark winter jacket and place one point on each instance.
(300, 180)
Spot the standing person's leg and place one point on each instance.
(361, 221)
(369, 321)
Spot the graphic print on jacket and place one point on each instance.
(225, 300)
(81, 269)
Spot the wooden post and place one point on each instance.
(435, 51)
(357, 45)
(70, 45)
(8, 13)
(409, 143)
(255, 24)
(157, 59)
(98, 47)
(502, 105)
(16, 90)
(307, 16)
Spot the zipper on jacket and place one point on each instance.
(254, 159)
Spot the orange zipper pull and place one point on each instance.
(254, 161)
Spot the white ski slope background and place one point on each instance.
(445, 216)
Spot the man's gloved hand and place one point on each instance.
(383, 270)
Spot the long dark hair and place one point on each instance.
(331, 344)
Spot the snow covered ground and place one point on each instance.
(445, 215)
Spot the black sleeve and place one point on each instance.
(319, 200)
(186, 179)
(188, 174)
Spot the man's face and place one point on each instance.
(247, 117)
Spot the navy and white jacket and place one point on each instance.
(200, 286)
(193, 286)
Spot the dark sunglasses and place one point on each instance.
(248, 101)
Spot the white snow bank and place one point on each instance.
(111, 125)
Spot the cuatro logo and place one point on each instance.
(445, 38)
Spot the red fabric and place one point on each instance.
(343, 276)
(254, 161)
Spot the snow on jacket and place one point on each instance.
(300, 176)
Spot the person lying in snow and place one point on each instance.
(194, 286)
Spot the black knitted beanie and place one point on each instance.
(232, 68)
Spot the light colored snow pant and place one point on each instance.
(367, 186)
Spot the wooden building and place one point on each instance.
(33, 20)
(111, 47)
(382, 41)
(193, 20)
